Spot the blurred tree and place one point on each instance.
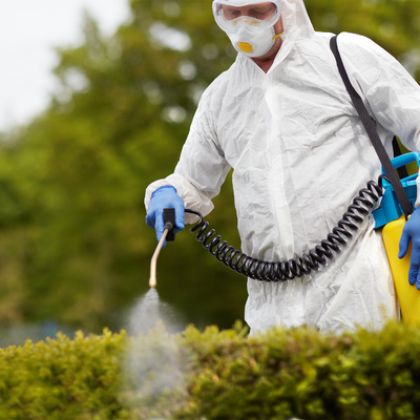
(74, 247)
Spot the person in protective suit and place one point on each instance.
(281, 117)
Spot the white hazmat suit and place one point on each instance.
(299, 155)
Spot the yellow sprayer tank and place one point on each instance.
(408, 296)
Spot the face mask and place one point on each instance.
(251, 38)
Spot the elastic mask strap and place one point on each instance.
(278, 36)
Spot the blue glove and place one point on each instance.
(165, 198)
(411, 233)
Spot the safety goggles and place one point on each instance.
(231, 14)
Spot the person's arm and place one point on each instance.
(201, 169)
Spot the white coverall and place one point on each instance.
(299, 155)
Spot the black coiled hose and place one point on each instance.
(312, 260)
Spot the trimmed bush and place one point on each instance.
(279, 375)
(301, 373)
(63, 378)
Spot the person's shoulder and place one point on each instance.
(359, 45)
(355, 40)
(346, 40)
(217, 87)
(219, 82)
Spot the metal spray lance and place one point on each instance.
(168, 235)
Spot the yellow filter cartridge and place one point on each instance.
(408, 296)
(245, 47)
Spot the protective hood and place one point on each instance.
(239, 3)
(297, 24)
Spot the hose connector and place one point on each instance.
(169, 220)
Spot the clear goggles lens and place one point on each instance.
(228, 17)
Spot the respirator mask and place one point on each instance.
(249, 24)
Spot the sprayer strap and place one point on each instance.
(370, 127)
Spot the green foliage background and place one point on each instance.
(74, 247)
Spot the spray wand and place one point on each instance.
(168, 235)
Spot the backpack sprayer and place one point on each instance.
(391, 219)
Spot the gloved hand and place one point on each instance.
(411, 233)
(163, 198)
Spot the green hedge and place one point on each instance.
(63, 378)
(282, 374)
(301, 373)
